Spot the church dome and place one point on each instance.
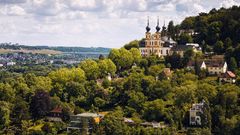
(148, 28)
(158, 28)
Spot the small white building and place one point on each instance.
(195, 112)
(11, 63)
(216, 67)
(213, 67)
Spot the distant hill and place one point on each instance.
(81, 49)
(8, 48)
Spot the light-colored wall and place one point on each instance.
(216, 70)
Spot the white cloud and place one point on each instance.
(83, 5)
(12, 1)
(45, 7)
(108, 23)
(16, 10)
(229, 3)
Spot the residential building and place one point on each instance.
(195, 114)
(192, 64)
(168, 41)
(153, 125)
(227, 77)
(55, 115)
(216, 67)
(180, 49)
(213, 66)
(189, 32)
(84, 122)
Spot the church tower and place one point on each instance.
(148, 35)
(153, 44)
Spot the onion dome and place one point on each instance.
(157, 27)
(148, 28)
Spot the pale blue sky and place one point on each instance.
(105, 23)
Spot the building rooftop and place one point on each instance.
(87, 114)
(181, 48)
(228, 74)
(57, 109)
(214, 63)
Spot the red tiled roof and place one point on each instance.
(231, 74)
(228, 74)
(57, 109)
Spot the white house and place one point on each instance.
(213, 66)
(216, 67)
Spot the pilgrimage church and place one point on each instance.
(155, 43)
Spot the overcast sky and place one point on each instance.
(91, 23)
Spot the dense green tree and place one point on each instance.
(188, 23)
(112, 124)
(23, 90)
(228, 43)
(40, 104)
(185, 38)
(185, 94)
(218, 47)
(62, 76)
(7, 93)
(20, 111)
(154, 110)
(175, 60)
(187, 56)
(136, 100)
(155, 70)
(214, 30)
(42, 83)
(171, 29)
(91, 69)
(206, 91)
(160, 90)
(5, 110)
(132, 44)
(136, 55)
(75, 89)
(122, 58)
(232, 64)
(106, 66)
(133, 82)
